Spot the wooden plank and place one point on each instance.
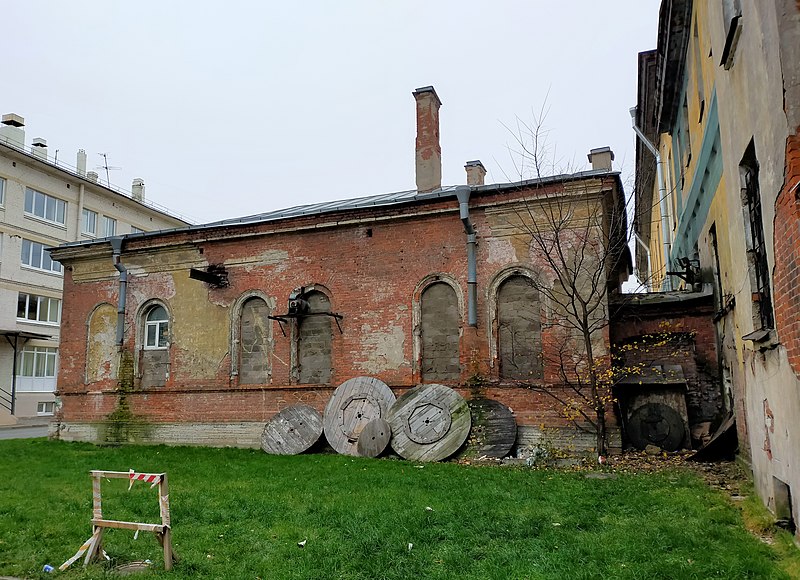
(116, 474)
(353, 405)
(494, 430)
(374, 439)
(429, 423)
(129, 525)
(291, 431)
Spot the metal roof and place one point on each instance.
(372, 201)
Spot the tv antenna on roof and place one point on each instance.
(107, 167)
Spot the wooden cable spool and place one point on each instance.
(291, 431)
(374, 439)
(494, 430)
(354, 404)
(429, 423)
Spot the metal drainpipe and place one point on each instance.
(462, 193)
(662, 196)
(116, 247)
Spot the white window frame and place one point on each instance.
(86, 216)
(109, 223)
(39, 205)
(37, 250)
(37, 303)
(37, 369)
(135, 230)
(43, 406)
(160, 329)
(2, 191)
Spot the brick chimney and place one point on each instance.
(601, 158)
(428, 151)
(476, 172)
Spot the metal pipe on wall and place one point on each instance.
(662, 197)
(116, 248)
(463, 193)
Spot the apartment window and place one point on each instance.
(38, 361)
(156, 328)
(756, 247)
(89, 222)
(109, 227)
(38, 308)
(34, 255)
(2, 190)
(45, 408)
(46, 207)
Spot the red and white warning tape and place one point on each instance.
(154, 478)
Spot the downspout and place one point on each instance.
(462, 193)
(662, 197)
(116, 248)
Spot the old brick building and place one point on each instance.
(222, 325)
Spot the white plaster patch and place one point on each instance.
(383, 351)
(501, 251)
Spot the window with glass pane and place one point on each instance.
(89, 222)
(135, 230)
(38, 308)
(2, 190)
(45, 206)
(35, 255)
(156, 328)
(38, 361)
(109, 226)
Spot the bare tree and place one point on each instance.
(578, 230)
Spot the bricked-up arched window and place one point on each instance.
(439, 330)
(154, 351)
(519, 329)
(315, 342)
(254, 326)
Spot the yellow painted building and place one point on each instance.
(719, 99)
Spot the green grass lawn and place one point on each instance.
(241, 513)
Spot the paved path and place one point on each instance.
(23, 432)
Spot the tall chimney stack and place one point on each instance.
(428, 156)
(601, 158)
(39, 148)
(137, 189)
(476, 172)
(11, 130)
(81, 163)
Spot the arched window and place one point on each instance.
(153, 367)
(254, 337)
(315, 341)
(519, 329)
(156, 328)
(439, 332)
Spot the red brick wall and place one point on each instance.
(787, 255)
(372, 277)
(692, 344)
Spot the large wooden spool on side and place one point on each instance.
(494, 430)
(354, 404)
(429, 423)
(291, 431)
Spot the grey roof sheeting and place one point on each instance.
(372, 201)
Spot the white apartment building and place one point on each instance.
(43, 203)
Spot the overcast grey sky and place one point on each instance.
(234, 108)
